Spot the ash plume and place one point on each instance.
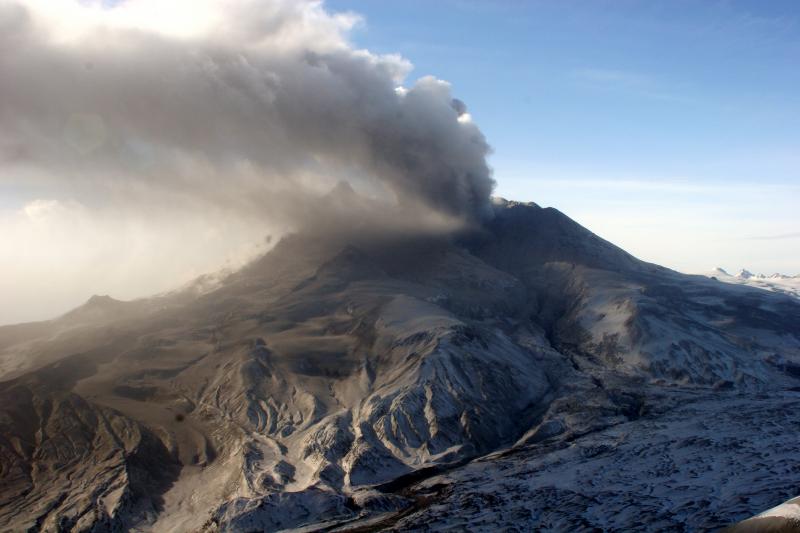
(143, 143)
(256, 107)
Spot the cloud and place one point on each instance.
(55, 254)
(230, 112)
(782, 236)
(629, 82)
(612, 77)
(239, 102)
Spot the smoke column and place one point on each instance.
(237, 113)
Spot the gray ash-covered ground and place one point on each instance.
(528, 375)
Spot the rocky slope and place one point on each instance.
(381, 384)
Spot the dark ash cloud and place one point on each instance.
(252, 105)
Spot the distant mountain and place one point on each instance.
(526, 375)
(776, 282)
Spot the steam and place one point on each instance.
(240, 109)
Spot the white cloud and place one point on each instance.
(628, 82)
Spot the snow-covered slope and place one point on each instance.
(776, 282)
(327, 381)
(783, 518)
(691, 465)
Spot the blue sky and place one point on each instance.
(670, 128)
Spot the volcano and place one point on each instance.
(525, 375)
